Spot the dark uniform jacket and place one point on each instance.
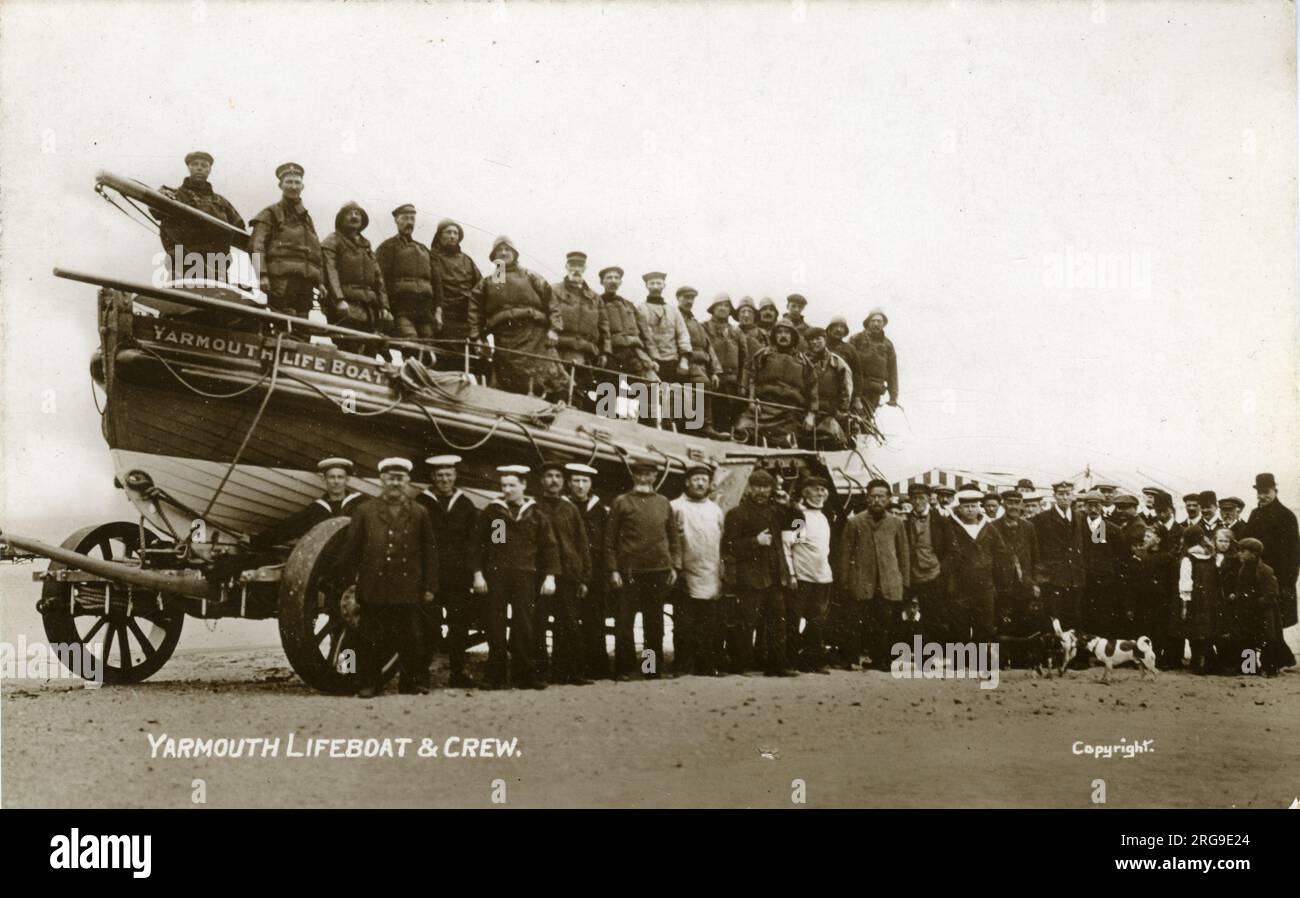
(595, 514)
(299, 523)
(1275, 526)
(1022, 545)
(746, 563)
(704, 360)
(191, 235)
(394, 550)
(1102, 559)
(570, 537)
(455, 276)
(516, 539)
(977, 567)
(732, 349)
(585, 330)
(284, 238)
(1059, 549)
(455, 526)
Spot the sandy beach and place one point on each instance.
(852, 738)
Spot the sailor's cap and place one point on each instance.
(442, 461)
(517, 470)
(687, 291)
(579, 468)
(969, 494)
(550, 466)
(335, 461)
(395, 464)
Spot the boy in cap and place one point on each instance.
(642, 554)
(285, 249)
(515, 561)
(185, 238)
(697, 601)
(1259, 597)
(595, 514)
(391, 544)
(407, 267)
(455, 525)
(570, 587)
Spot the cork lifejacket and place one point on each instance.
(624, 333)
(727, 343)
(700, 355)
(292, 247)
(357, 270)
(778, 377)
(581, 314)
(409, 268)
(517, 296)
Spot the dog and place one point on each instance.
(1069, 644)
(1111, 652)
(1037, 651)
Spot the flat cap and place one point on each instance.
(1208, 497)
(198, 154)
(651, 275)
(1126, 499)
(813, 480)
(1093, 496)
(643, 465)
(576, 256)
(442, 461)
(608, 268)
(796, 297)
(692, 470)
(1251, 544)
(918, 488)
(396, 464)
(1011, 494)
(1151, 491)
(335, 461)
(289, 168)
(1193, 497)
(1232, 501)
(687, 291)
(550, 466)
(404, 209)
(1107, 486)
(760, 477)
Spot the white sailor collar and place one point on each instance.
(523, 507)
(450, 502)
(324, 503)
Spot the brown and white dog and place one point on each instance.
(1111, 652)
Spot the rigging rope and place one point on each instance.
(206, 395)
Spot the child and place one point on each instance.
(1259, 603)
(1198, 593)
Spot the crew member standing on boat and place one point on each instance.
(455, 522)
(390, 543)
(337, 501)
(188, 239)
(286, 250)
(353, 280)
(629, 332)
(732, 349)
(781, 375)
(408, 272)
(584, 338)
(705, 367)
(670, 344)
(455, 276)
(516, 307)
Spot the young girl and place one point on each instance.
(1234, 631)
(1198, 592)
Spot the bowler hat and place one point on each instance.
(1265, 482)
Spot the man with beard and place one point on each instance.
(1060, 568)
(1101, 551)
(570, 587)
(810, 562)
(980, 562)
(592, 608)
(768, 315)
(879, 361)
(1232, 507)
(353, 281)
(753, 565)
(514, 549)
(642, 554)
(697, 602)
(285, 249)
(391, 544)
(874, 573)
(943, 496)
(454, 276)
(670, 344)
(834, 393)
(584, 339)
(780, 375)
(629, 332)
(455, 525)
(517, 308)
(837, 333)
(794, 306)
(732, 349)
(705, 367)
(747, 319)
(407, 268)
(1019, 610)
(184, 236)
(1274, 525)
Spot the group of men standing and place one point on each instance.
(766, 378)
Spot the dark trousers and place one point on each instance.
(697, 635)
(1062, 603)
(566, 645)
(974, 617)
(931, 599)
(516, 590)
(460, 605)
(884, 621)
(412, 316)
(766, 607)
(394, 628)
(290, 295)
(591, 609)
(642, 591)
(810, 601)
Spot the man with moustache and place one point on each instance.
(571, 586)
(732, 349)
(454, 277)
(747, 321)
(353, 281)
(810, 562)
(834, 393)
(1060, 569)
(978, 570)
(837, 333)
(391, 544)
(768, 316)
(1020, 611)
(1274, 525)
(407, 267)
(670, 344)
(782, 383)
(184, 236)
(285, 249)
(754, 568)
(1101, 552)
(1209, 505)
(642, 554)
(1232, 507)
(455, 525)
(629, 332)
(697, 602)
(1192, 508)
(705, 367)
(929, 539)
(874, 574)
(879, 360)
(514, 549)
(592, 607)
(584, 335)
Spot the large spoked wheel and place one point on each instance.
(122, 626)
(322, 647)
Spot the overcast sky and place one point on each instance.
(962, 165)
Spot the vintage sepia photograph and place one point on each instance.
(628, 405)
